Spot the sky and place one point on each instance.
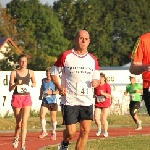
(50, 2)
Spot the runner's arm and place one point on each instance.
(41, 93)
(126, 92)
(136, 68)
(54, 79)
(12, 85)
(55, 92)
(96, 75)
(32, 78)
(139, 89)
(108, 92)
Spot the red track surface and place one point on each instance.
(34, 143)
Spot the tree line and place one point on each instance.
(43, 31)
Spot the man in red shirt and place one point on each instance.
(140, 64)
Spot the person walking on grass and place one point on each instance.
(134, 89)
(102, 104)
(21, 100)
(80, 75)
(49, 102)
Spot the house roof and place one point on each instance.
(8, 40)
(2, 41)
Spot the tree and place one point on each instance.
(7, 29)
(114, 25)
(7, 25)
(81, 14)
(39, 30)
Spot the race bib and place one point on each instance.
(45, 95)
(83, 90)
(100, 98)
(132, 96)
(24, 88)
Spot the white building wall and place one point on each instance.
(118, 81)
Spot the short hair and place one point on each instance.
(48, 69)
(22, 55)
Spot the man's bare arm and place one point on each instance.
(137, 68)
(54, 79)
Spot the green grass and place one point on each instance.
(8, 123)
(119, 143)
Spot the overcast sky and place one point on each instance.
(50, 2)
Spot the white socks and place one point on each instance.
(43, 123)
(54, 126)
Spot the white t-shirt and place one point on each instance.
(77, 74)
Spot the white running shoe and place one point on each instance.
(15, 142)
(23, 148)
(98, 132)
(139, 125)
(105, 134)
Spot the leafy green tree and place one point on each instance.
(81, 14)
(114, 25)
(39, 30)
(7, 25)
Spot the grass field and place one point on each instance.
(119, 143)
(34, 121)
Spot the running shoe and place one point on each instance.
(62, 146)
(98, 132)
(42, 135)
(23, 148)
(139, 125)
(53, 136)
(15, 142)
(105, 134)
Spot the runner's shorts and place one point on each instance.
(19, 101)
(74, 114)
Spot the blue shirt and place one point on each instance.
(45, 86)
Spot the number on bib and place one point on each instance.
(22, 88)
(132, 97)
(45, 95)
(100, 98)
(82, 89)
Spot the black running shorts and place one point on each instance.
(74, 114)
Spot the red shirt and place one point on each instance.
(141, 54)
(106, 89)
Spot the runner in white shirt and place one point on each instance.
(79, 76)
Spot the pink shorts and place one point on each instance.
(19, 101)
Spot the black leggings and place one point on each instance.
(146, 98)
(134, 107)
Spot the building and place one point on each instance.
(5, 45)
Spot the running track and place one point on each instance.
(34, 143)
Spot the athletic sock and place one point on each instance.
(43, 123)
(54, 124)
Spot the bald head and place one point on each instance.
(82, 40)
(82, 32)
